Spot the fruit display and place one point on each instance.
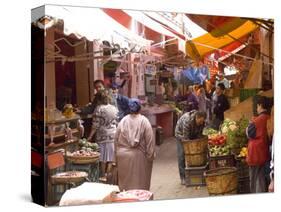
(68, 111)
(88, 146)
(243, 152)
(216, 139)
(219, 150)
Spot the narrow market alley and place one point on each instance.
(165, 182)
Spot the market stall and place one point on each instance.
(151, 57)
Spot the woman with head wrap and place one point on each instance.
(135, 149)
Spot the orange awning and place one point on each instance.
(199, 47)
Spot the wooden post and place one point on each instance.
(81, 75)
(96, 71)
(49, 70)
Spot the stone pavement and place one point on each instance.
(165, 182)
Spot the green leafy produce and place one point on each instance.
(85, 145)
(219, 150)
(237, 138)
(209, 131)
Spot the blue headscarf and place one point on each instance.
(134, 105)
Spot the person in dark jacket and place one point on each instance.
(258, 147)
(120, 101)
(90, 107)
(189, 126)
(221, 104)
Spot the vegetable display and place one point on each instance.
(217, 139)
(88, 146)
(219, 151)
(209, 131)
(235, 132)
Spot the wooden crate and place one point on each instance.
(243, 185)
(221, 161)
(194, 176)
(242, 167)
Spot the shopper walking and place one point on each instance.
(135, 149)
(103, 130)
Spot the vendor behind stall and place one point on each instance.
(90, 107)
(258, 147)
(221, 104)
(189, 127)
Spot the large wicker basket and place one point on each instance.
(222, 181)
(83, 159)
(197, 159)
(69, 177)
(195, 146)
(195, 151)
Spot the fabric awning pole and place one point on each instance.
(163, 42)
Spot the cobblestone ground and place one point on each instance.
(165, 182)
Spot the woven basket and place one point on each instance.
(197, 159)
(68, 178)
(222, 181)
(195, 146)
(83, 159)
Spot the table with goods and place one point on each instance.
(80, 159)
(86, 158)
(218, 160)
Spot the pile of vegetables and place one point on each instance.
(209, 132)
(219, 150)
(217, 139)
(235, 132)
(88, 146)
(216, 142)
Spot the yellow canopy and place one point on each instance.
(199, 47)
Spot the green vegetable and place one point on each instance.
(209, 131)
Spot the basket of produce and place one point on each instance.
(83, 157)
(195, 151)
(68, 111)
(86, 145)
(220, 156)
(221, 181)
(88, 153)
(69, 177)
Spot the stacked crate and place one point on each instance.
(196, 161)
(243, 176)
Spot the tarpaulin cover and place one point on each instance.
(197, 74)
(199, 47)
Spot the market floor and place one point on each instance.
(165, 182)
